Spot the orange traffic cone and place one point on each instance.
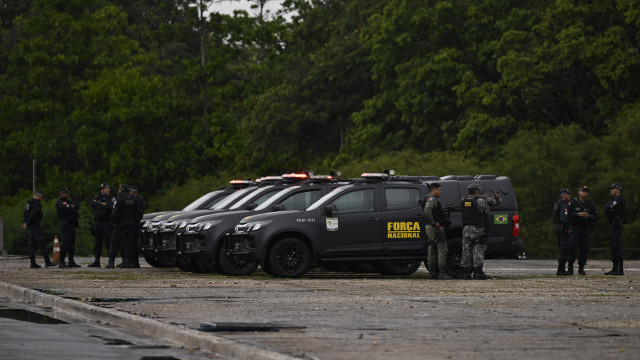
(56, 249)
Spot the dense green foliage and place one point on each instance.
(153, 93)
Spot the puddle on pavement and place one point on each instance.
(30, 316)
(158, 358)
(232, 326)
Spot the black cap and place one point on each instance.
(104, 185)
(124, 187)
(615, 186)
(40, 192)
(64, 189)
(564, 191)
(133, 188)
(584, 188)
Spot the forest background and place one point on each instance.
(179, 100)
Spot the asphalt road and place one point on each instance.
(524, 311)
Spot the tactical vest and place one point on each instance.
(438, 213)
(471, 212)
(126, 208)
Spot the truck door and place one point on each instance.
(403, 220)
(356, 227)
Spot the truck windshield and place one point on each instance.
(323, 200)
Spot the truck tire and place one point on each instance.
(151, 260)
(289, 257)
(398, 267)
(233, 265)
(206, 266)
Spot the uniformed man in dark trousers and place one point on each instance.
(68, 217)
(475, 218)
(614, 211)
(582, 215)
(31, 219)
(102, 206)
(133, 244)
(124, 217)
(436, 238)
(563, 229)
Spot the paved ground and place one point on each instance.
(524, 311)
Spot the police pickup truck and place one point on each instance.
(152, 222)
(203, 240)
(378, 218)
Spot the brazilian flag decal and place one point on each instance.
(500, 219)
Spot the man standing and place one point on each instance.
(563, 229)
(102, 206)
(475, 218)
(132, 250)
(582, 215)
(31, 219)
(436, 238)
(68, 217)
(125, 214)
(614, 211)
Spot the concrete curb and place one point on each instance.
(72, 309)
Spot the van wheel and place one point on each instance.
(206, 266)
(398, 267)
(289, 258)
(234, 265)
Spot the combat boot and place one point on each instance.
(581, 270)
(49, 263)
(123, 264)
(570, 268)
(614, 269)
(72, 263)
(96, 262)
(466, 274)
(110, 265)
(445, 276)
(478, 274)
(620, 270)
(33, 263)
(561, 271)
(135, 263)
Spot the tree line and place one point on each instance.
(179, 100)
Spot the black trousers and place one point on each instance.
(37, 241)
(579, 244)
(564, 246)
(122, 235)
(68, 237)
(103, 230)
(616, 242)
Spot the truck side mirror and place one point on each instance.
(278, 207)
(330, 210)
(251, 206)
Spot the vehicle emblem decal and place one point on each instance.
(403, 230)
(332, 224)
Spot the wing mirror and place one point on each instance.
(330, 210)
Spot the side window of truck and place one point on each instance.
(355, 201)
(401, 198)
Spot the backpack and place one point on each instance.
(556, 212)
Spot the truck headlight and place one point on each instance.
(256, 225)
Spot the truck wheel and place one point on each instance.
(234, 265)
(151, 260)
(289, 258)
(206, 266)
(187, 265)
(398, 267)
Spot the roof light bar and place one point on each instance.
(240, 182)
(322, 177)
(374, 175)
(295, 176)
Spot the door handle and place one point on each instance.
(372, 219)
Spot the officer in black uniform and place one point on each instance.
(614, 211)
(31, 219)
(582, 215)
(132, 250)
(125, 215)
(563, 229)
(68, 217)
(102, 206)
